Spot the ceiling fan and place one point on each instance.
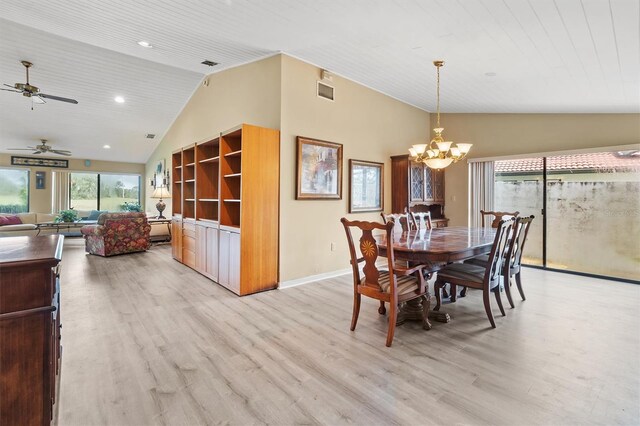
(43, 148)
(33, 92)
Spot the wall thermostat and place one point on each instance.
(87, 163)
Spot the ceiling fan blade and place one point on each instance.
(55, 151)
(20, 149)
(12, 90)
(57, 98)
(8, 85)
(37, 99)
(37, 152)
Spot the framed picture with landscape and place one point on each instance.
(319, 170)
(366, 186)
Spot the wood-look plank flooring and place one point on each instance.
(148, 341)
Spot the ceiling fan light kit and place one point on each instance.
(33, 92)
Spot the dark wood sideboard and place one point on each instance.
(29, 328)
(416, 186)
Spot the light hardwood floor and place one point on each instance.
(147, 341)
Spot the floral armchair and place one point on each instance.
(117, 233)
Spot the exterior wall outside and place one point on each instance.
(370, 125)
(40, 200)
(246, 94)
(517, 134)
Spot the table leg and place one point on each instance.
(418, 310)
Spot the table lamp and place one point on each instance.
(160, 192)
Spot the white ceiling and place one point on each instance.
(548, 56)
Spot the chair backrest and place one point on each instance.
(402, 221)
(420, 220)
(132, 224)
(516, 245)
(497, 217)
(498, 252)
(367, 251)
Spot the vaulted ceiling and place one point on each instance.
(501, 56)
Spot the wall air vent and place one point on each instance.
(149, 136)
(209, 63)
(325, 91)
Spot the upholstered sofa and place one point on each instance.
(29, 226)
(117, 233)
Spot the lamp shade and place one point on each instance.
(160, 192)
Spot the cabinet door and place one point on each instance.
(416, 182)
(176, 239)
(212, 253)
(438, 186)
(201, 249)
(234, 262)
(429, 194)
(223, 265)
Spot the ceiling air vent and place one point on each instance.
(209, 63)
(149, 136)
(325, 91)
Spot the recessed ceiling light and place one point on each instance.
(119, 99)
(106, 146)
(145, 44)
(209, 63)
(490, 74)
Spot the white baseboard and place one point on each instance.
(313, 278)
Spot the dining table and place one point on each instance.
(435, 247)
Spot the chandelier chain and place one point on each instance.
(438, 97)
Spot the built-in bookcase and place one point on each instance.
(207, 177)
(226, 208)
(176, 182)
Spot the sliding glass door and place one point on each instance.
(593, 214)
(519, 187)
(591, 206)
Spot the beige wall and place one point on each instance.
(370, 125)
(246, 94)
(516, 134)
(40, 199)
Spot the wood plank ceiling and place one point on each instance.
(514, 56)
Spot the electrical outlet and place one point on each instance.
(333, 246)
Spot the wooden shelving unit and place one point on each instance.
(229, 198)
(176, 186)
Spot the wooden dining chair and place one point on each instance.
(402, 219)
(419, 220)
(513, 257)
(486, 278)
(392, 285)
(497, 217)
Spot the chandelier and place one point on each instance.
(439, 153)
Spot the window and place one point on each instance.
(83, 193)
(14, 190)
(103, 191)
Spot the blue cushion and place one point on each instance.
(95, 214)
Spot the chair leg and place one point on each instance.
(454, 293)
(519, 284)
(356, 311)
(393, 317)
(487, 306)
(499, 300)
(507, 290)
(463, 293)
(437, 287)
(426, 302)
(382, 310)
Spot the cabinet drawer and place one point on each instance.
(189, 243)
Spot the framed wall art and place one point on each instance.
(319, 170)
(366, 186)
(40, 180)
(45, 162)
